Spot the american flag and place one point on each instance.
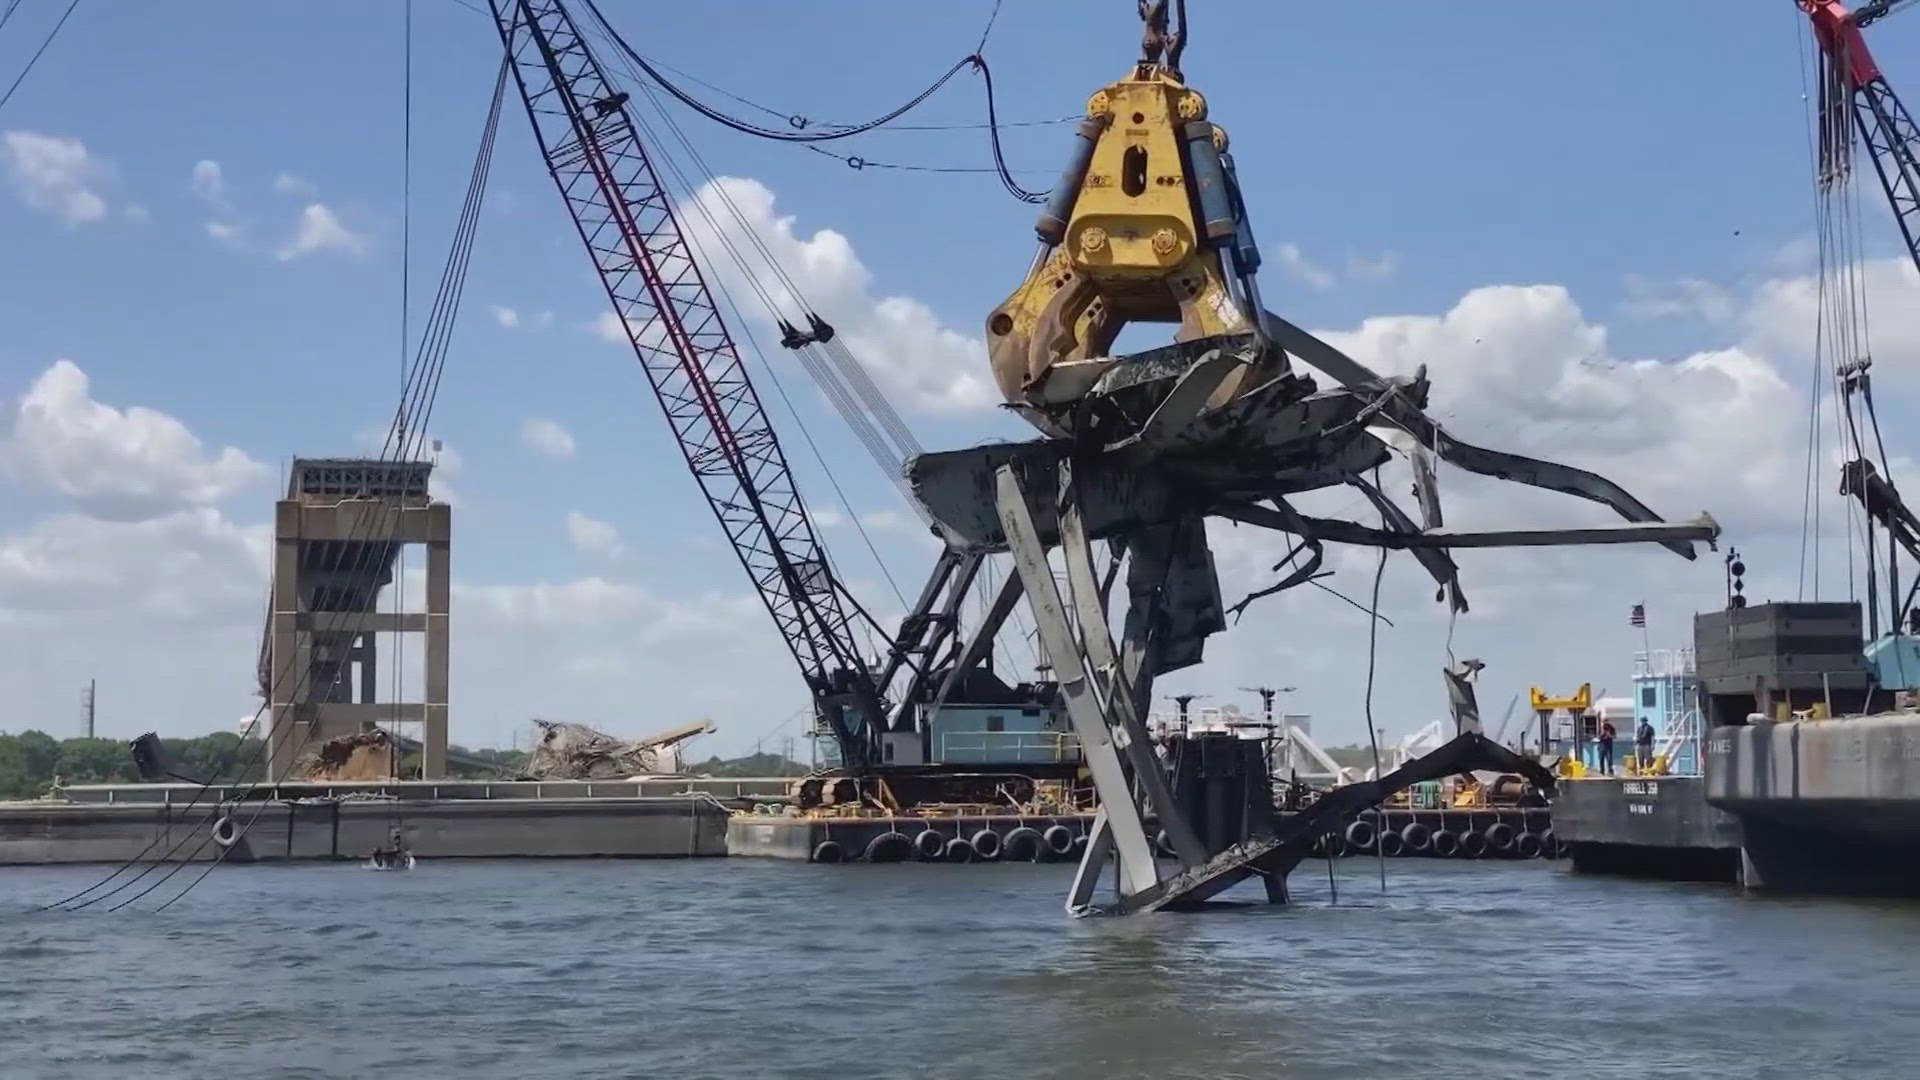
(1639, 616)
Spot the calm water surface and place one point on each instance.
(750, 969)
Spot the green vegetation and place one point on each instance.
(751, 765)
(30, 760)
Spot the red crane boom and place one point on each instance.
(626, 219)
(1852, 83)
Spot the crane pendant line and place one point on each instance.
(625, 217)
(1886, 128)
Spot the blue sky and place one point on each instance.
(1618, 184)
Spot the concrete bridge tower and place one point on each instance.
(337, 539)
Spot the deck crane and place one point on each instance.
(1855, 98)
(1852, 88)
(628, 223)
(1852, 83)
(627, 219)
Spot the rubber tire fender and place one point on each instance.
(1499, 838)
(1059, 840)
(889, 847)
(827, 851)
(1360, 835)
(987, 845)
(1416, 838)
(1023, 845)
(929, 845)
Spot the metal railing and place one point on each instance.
(1008, 746)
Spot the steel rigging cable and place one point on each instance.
(429, 365)
(35, 58)
(403, 443)
(973, 60)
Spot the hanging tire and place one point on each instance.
(889, 847)
(986, 845)
(1473, 844)
(1023, 845)
(929, 845)
(1390, 844)
(1499, 838)
(1080, 845)
(958, 851)
(225, 832)
(1444, 844)
(1527, 846)
(827, 851)
(1416, 838)
(1549, 847)
(1360, 835)
(1563, 849)
(1059, 840)
(1162, 846)
(1330, 846)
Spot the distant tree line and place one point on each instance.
(30, 760)
(750, 765)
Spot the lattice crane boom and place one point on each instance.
(626, 218)
(1886, 128)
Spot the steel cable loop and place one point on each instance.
(972, 60)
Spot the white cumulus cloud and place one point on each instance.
(547, 437)
(55, 174)
(209, 182)
(289, 184)
(117, 464)
(191, 566)
(593, 536)
(1297, 266)
(920, 362)
(506, 316)
(1520, 368)
(320, 230)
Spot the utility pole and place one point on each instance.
(86, 706)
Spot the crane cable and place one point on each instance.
(35, 58)
(863, 429)
(843, 379)
(404, 442)
(872, 407)
(429, 363)
(973, 61)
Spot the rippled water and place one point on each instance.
(749, 969)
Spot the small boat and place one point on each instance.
(390, 860)
(394, 856)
